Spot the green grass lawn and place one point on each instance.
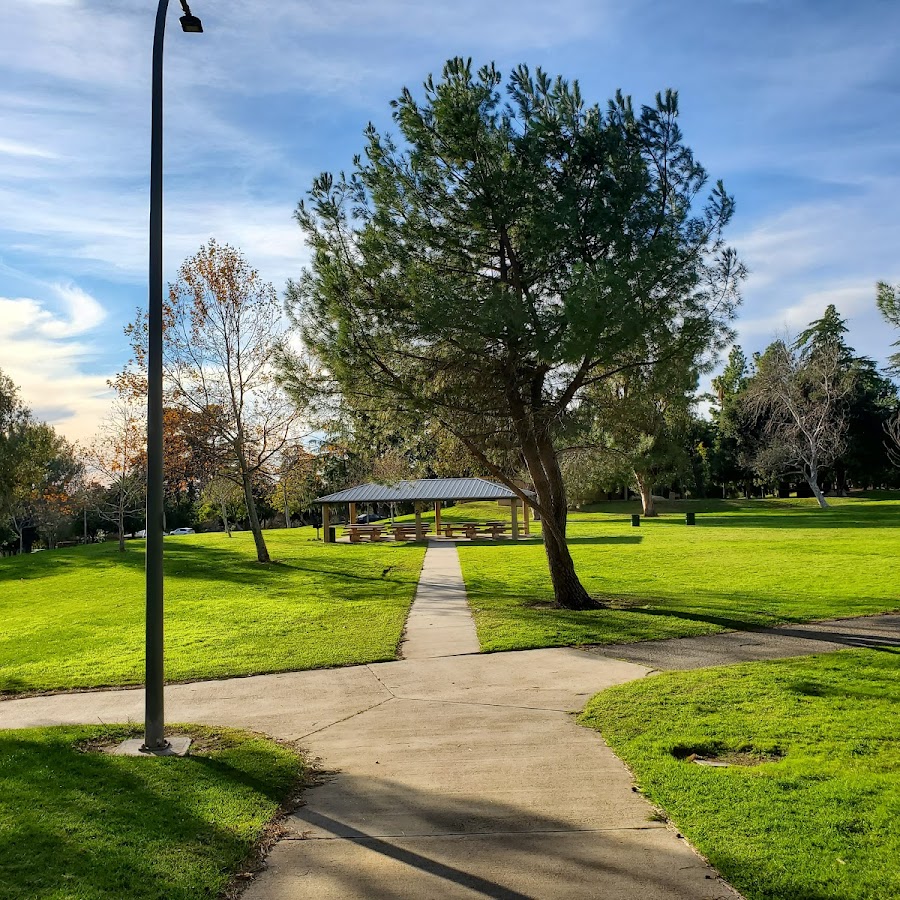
(745, 564)
(75, 617)
(80, 825)
(819, 821)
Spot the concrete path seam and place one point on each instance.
(345, 719)
(476, 703)
(375, 676)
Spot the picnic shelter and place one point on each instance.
(421, 492)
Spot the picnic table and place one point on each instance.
(406, 531)
(472, 529)
(357, 532)
(402, 531)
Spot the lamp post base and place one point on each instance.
(177, 746)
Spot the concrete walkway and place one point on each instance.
(439, 622)
(763, 643)
(455, 776)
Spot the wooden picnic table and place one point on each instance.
(472, 529)
(402, 531)
(357, 532)
(406, 530)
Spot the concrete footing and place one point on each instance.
(178, 746)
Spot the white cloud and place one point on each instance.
(15, 148)
(814, 254)
(48, 354)
(851, 301)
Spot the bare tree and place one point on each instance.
(799, 400)
(892, 444)
(223, 493)
(116, 459)
(888, 302)
(223, 327)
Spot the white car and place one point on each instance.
(182, 531)
(141, 534)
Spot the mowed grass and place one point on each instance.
(819, 820)
(75, 618)
(78, 824)
(745, 564)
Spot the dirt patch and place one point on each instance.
(720, 756)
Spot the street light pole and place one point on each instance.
(154, 714)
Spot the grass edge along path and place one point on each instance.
(74, 618)
(746, 564)
(816, 818)
(81, 824)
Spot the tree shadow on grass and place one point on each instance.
(836, 635)
(199, 561)
(535, 541)
(633, 617)
(30, 567)
(127, 828)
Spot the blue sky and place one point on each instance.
(796, 105)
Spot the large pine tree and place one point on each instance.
(512, 249)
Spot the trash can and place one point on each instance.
(689, 518)
(635, 520)
(332, 533)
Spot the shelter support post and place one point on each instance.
(352, 513)
(326, 522)
(514, 509)
(437, 517)
(526, 518)
(419, 534)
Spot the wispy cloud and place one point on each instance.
(49, 351)
(14, 148)
(812, 255)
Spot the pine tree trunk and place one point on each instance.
(568, 590)
(645, 488)
(121, 523)
(225, 519)
(543, 466)
(262, 552)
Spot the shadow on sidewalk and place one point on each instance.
(403, 841)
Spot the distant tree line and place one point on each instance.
(807, 416)
(40, 476)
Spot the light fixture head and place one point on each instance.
(191, 24)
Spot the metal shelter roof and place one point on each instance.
(422, 489)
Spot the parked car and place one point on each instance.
(367, 518)
(141, 534)
(182, 531)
